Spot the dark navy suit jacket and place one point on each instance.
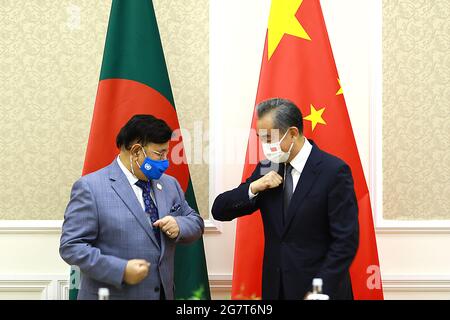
(320, 235)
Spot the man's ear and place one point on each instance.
(134, 150)
(294, 132)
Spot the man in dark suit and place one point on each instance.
(308, 207)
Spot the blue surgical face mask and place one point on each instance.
(152, 169)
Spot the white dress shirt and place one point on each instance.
(298, 164)
(132, 180)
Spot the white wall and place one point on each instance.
(236, 46)
(414, 263)
(30, 265)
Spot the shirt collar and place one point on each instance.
(299, 161)
(130, 177)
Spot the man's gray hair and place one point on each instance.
(285, 113)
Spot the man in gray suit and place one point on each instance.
(122, 222)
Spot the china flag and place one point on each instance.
(298, 65)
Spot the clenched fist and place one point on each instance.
(269, 181)
(136, 271)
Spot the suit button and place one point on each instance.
(278, 270)
(157, 289)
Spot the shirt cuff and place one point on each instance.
(250, 193)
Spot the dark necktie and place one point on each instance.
(150, 207)
(287, 189)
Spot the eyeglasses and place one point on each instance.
(162, 155)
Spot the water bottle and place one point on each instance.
(317, 291)
(103, 294)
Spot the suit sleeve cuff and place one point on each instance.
(251, 195)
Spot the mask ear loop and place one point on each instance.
(131, 164)
(284, 136)
(145, 154)
(292, 144)
(143, 151)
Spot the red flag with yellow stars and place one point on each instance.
(298, 65)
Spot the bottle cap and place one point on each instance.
(317, 282)
(103, 292)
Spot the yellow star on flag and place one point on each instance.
(282, 20)
(340, 88)
(315, 117)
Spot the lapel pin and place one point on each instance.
(159, 186)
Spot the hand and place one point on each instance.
(269, 181)
(168, 226)
(136, 271)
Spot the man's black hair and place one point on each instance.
(143, 129)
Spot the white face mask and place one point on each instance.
(273, 151)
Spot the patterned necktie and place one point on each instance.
(287, 190)
(150, 207)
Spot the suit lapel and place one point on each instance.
(125, 192)
(304, 185)
(275, 197)
(277, 201)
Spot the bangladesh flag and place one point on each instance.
(134, 80)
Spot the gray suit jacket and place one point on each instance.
(105, 226)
